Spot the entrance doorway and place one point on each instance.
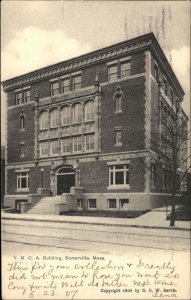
(65, 179)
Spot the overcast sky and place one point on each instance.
(35, 34)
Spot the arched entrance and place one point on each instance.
(65, 179)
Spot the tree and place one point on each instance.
(168, 149)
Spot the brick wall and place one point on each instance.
(94, 176)
(15, 135)
(137, 63)
(35, 180)
(131, 119)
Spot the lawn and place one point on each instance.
(102, 213)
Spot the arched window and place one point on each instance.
(118, 96)
(66, 170)
(77, 113)
(118, 103)
(43, 120)
(89, 111)
(66, 115)
(22, 122)
(54, 118)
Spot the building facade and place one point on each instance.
(2, 175)
(92, 122)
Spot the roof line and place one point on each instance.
(81, 56)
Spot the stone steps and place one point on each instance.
(45, 206)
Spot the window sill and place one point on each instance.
(78, 123)
(119, 187)
(65, 125)
(118, 112)
(22, 130)
(89, 121)
(43, 129)
(56, 127)
(77, 152)
(118, 145)
(89, 132)
(22, 190)
(65, 153)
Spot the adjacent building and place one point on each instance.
(93, 122)
(2, 175)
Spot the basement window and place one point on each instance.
(92, 203)
(112, 204)
(79, 203)
(123, 203)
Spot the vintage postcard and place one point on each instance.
(95, 155)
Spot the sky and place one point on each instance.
(36, 34)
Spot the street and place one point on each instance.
(114, 240)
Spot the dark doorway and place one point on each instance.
(65, 179)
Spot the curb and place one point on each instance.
(96, 223)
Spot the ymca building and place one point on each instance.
(80, 132)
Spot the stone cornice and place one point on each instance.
(147, 41)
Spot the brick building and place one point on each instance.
(91, 123)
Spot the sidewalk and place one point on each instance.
(155, 219)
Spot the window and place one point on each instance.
(112, 204)
(156, 72)
(123, 203)
(118, 104)
(79, 203)
(125, 69)
(65, 85)
(77, 144)
(89, 142)
(22, 122)
(22, 149)
(119, 176)
(77, 113)
(112, 73)
(76, 82)
(165, 86)
(54, 147)
(54, 88)
(44, 120)
(19, 98)
(65, 145)
(22, 180)
(54, 118)
(27, 96)
(44, 149)
(118, 135)
(66, 115)
(177, 105)
(92, 203)
(89, 111)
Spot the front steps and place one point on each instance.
(46, 206)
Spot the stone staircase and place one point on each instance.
(46, 206)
